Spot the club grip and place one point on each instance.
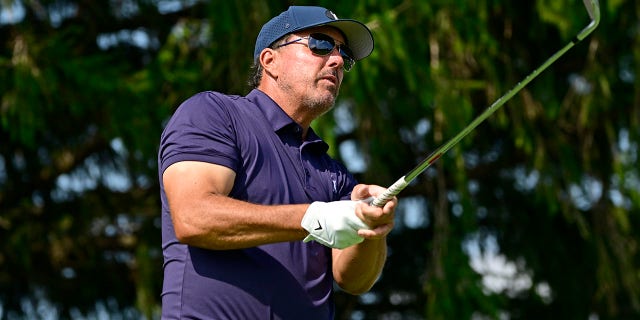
(393, 191)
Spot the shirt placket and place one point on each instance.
(313, 179)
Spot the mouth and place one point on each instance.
(331, 77)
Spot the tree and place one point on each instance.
(549, 183)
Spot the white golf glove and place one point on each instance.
(333, 224)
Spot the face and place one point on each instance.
(311, 79)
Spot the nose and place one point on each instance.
(336, 57)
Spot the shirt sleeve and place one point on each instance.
(201, 129)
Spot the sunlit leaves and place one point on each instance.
(552, 177)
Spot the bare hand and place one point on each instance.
(380, 220)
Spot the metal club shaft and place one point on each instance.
(593, 9)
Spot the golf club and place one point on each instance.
(593, 9)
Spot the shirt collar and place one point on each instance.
(274, 114)
(279, 120)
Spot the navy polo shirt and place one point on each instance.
(273, 165)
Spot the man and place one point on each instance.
(258, 221)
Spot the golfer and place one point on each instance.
(258, 222)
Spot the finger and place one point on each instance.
(374, 216)
(374, 212)
(391, 205)
(368, 213)
(360, 191)
(378, 232)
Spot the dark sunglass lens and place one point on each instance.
(321, 44)
(347, 57)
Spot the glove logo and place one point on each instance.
(319, 226)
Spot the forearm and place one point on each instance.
(220, 223)
(356, 268)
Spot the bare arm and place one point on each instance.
(204, 216)
(356, 268)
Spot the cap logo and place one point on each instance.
(331, 15)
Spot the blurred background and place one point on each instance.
(534, 215)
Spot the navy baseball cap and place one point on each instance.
(358, 37)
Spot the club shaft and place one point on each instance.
(404, 181)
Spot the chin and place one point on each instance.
(333, 92)
(322, 105)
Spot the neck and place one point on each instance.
(299, 113)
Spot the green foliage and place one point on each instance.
(552, 178)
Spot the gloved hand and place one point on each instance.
(333, 224)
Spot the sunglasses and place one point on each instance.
(323, 45)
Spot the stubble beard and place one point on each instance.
(321, 101)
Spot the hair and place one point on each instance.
(255, 75)
(255, 71)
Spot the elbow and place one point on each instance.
(356, 291)
(186, 234)
(184, 229)
(193, 236)
(353, 288)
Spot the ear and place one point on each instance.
(268, 59)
